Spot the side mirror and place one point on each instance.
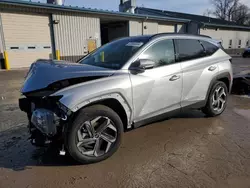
(141, 65)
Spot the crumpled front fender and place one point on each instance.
(114, 87)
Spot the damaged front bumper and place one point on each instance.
(47, 118)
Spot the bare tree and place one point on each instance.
(224, 8)
(241, 15)
(208, 13)
(231, 10)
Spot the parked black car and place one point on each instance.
(246, 53)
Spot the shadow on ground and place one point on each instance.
(17, 153)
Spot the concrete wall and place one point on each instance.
(72, 32)
(135, 28)
(164, 28)
(149, 28)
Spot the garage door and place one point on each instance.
(165, 28)
(27, 38)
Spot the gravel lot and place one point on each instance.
(186, 151)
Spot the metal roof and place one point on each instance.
(141, 13)
(88, 10)
(227, 26)
(206, 21)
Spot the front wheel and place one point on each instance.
(217, 100)
(95, 134)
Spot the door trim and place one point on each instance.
(169, 114)
(156, 118)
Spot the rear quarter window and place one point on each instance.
(210, 48)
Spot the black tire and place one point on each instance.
(208, 109)
(84, 115)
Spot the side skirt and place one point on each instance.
(197, 105)
(162, 117)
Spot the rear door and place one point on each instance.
(198, 68)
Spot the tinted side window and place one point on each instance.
(209, 48)
(188, 49)
(162, 53)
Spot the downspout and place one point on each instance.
(52, 34)
(145, 19)
(187, 27)
(175, 28)
(198, 30)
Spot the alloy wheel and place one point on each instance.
(219, 99)
(96, 136)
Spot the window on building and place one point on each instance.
(209, 48)
(247, 44)
(188, 49)
(230, 43)
(239, 45)
(162, 53)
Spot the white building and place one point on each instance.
(30, 31)
(233, 37)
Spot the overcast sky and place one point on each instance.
(187, 6)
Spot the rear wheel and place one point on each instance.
(95, 134)
(217, 100)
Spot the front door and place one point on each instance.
(157, 90)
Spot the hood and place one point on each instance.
(42, 73)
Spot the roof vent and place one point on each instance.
(56, 2)
(127, 6)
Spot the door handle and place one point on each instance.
(175, 77)
(212, 68)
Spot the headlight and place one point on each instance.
(45, 120)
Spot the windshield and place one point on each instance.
(115, 54)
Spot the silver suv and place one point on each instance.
(86, 106)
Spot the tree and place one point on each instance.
(224, 8)
(241, 15)
(208, 13)
(231, 10)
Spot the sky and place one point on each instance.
(186, 6)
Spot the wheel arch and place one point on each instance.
(224, 77)
(114, 101)
(116, 106)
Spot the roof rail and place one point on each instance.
(182, 34)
